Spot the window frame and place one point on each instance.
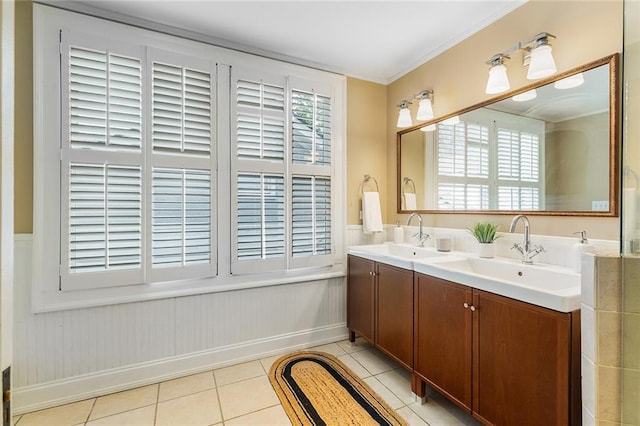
(46, 294)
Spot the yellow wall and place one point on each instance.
(366, 143)
(574, 164)
(585, 31)
(23, 144)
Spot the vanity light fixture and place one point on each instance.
(425, 109)
(525, 96)
(541, 63)
(498, 81)
(570, 82)
(404, 115)
(537, 56)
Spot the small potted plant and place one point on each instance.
(485, 233)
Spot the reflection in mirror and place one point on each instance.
(549, 149)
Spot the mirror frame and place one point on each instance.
(614, 143)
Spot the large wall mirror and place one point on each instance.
(549, 148)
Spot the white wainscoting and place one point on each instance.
(66, 356)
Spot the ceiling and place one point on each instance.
(372, 40)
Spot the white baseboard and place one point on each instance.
(50, 394)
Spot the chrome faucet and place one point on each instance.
(422, 237)
(527, 251)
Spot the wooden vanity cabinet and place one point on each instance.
(360, 298)
(443, 338)
(380, 307)
(506, 361)
(522, 362)
(394, 313)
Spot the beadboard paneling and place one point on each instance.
(56, 347)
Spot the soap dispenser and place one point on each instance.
(398, 233)
(578, 248)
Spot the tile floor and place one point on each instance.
(242, 395)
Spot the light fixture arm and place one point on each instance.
(537, 40)
(424, 94)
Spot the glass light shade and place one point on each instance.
(425, 110)
(526, 96)
(541, 63)
(429, 128)
(451, 121)
(404, 118)
(498, 81)
(570, 82)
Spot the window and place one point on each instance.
(166, 166)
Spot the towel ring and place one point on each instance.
(408, 181)
(366, 179)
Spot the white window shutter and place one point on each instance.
(181, 217)
(311, 216)
(105, 100)
(260, 122)
(260, 219)
(311, 128)
(181, 167)
(181, 99)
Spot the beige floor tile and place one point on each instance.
(399, 382)
(355, 366)
(435, 414)
(411, 417)
(272, 416)
(144, 416)
(245, 397)
(238, 372)
(388, 396)
(462, 416)
(374, 361)
(332, 348)
(15, 420)
(360, 345)
(124, 401)
(198, 409)
(186, 386)
(69, 414)
(268, 362)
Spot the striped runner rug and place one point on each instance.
(316, 388)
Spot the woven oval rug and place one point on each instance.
(316, 388)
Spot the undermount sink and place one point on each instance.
(540, 284)
(400, 255)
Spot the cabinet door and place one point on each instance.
(443, 337)
(394, 328)
(521, 362)
(360, 297)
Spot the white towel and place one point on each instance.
(410, 202)
(371, 213)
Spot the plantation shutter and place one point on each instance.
(181, 162)
(101, 174)
(463, 166)
(518, 161)
(311, 184)
(311, 221)
(261, 216)
(259, 179)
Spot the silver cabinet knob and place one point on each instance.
(466, 305)
(473, 308)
